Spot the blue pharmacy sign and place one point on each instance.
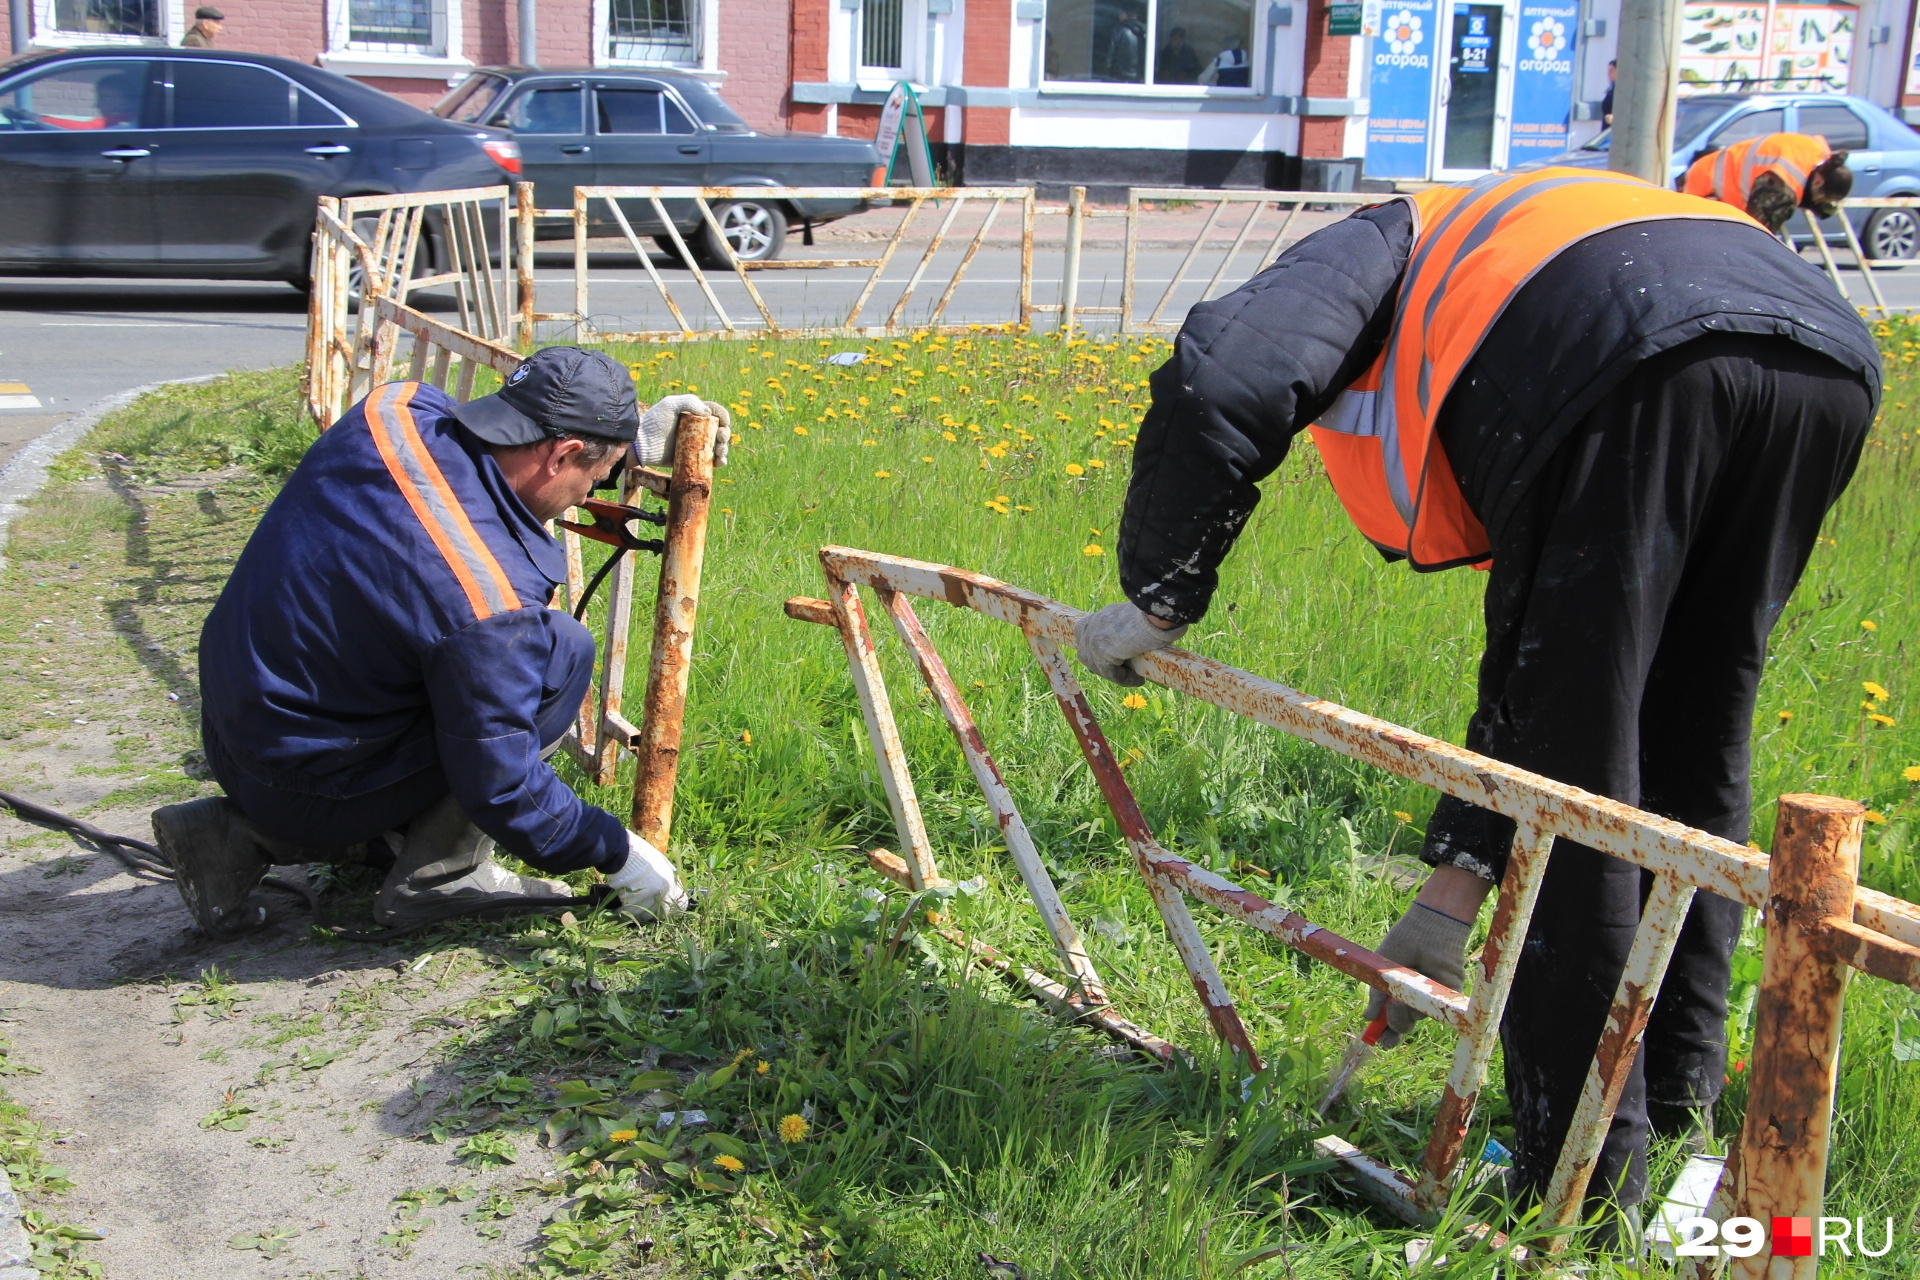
(1543, 85)
(1401, 89)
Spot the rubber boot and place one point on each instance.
(218, 858)
(445, 869)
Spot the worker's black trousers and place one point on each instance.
(1627, 615)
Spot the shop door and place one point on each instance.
(1475, 90)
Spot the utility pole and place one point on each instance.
(1644, 89)
(22, 33)
(529, 34)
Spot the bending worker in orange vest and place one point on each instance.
(1638, 406)
(1768, 178)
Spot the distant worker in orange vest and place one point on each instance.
(1768, 178)
(1634, 407)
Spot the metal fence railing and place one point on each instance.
(1820, 925)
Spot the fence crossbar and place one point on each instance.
(1683, 861)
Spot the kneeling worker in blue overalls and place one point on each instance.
(382, 669)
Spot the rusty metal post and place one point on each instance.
(1861, 261)
(658, 748)
(579, 264)
(1070, 274)
(1796, 1028)
(1026, 260)
(1826, 254)
(523, 259)
(1127, 265)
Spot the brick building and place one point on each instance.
(415, 49)
(1276, 93)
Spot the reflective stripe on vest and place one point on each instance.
(1475, 246)
(1727, 175)
(389, 414)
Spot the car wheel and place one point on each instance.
(756, 230)
(1892, 235)
(665, 245)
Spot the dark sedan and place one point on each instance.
(205, 164)
(1884, 154)
(592, 127)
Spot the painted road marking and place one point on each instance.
(17, 395)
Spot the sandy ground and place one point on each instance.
(339, 1057)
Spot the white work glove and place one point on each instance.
(646, 881)
(1428, 942)
(659, 423)
(1108, 640)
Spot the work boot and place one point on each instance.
(445, 869)
(218, 858)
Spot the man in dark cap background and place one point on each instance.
(382, 673)
(205, 29)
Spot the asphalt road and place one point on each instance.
(66, 343)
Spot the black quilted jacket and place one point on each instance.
(1252, 369)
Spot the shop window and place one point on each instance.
(881, 35)
(1199, 43)
(1769, 48)
(397, 26)
(104, 21)
(654, 31)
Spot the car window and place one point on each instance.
(1755, 124)
(676, 119)
(628, 110)
(229, 95)
(554, 111)
(711, 108)
(96, 95)
(1843, 130)
(311, 109)
(470, 102)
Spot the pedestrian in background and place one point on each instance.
(1606, 103)
(205, 29)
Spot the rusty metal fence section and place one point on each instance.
(370, 247)
(1846, 927)
(896, 320)
(1256, 205)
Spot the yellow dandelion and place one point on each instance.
(623, 1135)
(1133, 702)
(1092, 549)
(1403, 815)
(1075, 469)
(1879, 691)
(926, 458)
(800, 431)
(1868, 624)
(761, 1068)
(948, 436)
(746, 737)
(1874, 816)
(732, 1164)
(794, 1128)
(1885, 722)
(883, 475)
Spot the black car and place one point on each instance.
(582, 127)
(205, 164)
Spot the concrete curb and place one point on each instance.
(26, 471)
(16, 1254)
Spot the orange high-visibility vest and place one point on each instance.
(1727, 175)
(1474, 246)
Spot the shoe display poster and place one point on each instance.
(1748, 48)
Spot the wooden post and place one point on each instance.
(658, 748)
(1796, 1034)
(523, 260)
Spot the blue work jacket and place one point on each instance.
(389, 615)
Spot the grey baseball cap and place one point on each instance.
(557, 391)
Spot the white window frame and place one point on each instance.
(446, 63)
(706, 66)
(47, 36)
(844, 20)
(1256, 61)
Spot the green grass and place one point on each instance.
(947, 1119)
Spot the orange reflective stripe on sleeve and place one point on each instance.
(389, 415)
